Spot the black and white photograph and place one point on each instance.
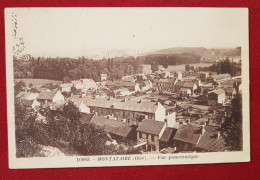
(90, 87)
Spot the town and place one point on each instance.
(164, 111)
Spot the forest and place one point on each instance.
(172, 59)
(224, 66)
(67, 69)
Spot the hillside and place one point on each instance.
(209, 54)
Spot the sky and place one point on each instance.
(73, 32)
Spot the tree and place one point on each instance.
(90, 140)
(71, 112)
(165, 65)
(187, 67)
(18, 87)
(154, 66)
(231, 129)
(192, 68)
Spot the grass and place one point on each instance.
(38, 82)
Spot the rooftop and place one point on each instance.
(218, 91)
(129, 105)
(188, 133)
(46, 95)
(168, 134)
(150, 126)
(210, 141)
(111, 126)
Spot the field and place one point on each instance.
(38, 82)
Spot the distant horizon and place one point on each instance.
(128, 52)
(74, 32)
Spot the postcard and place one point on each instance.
(95, 87)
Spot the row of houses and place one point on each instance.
(82, 84)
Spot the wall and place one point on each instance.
(160, 113)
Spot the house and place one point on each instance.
(85, 118)
(128, 79)
(177, 75)
(27, 95)
(122, 92)
(166, 85)
(170, 130)
(123, 84)
(185, 92)
(89, 84)
(78, 102)
(187, 137)
(29, 103)
(78, 84)
(129, 111)
(219, 77)
(178, 85)
(118, 130)
(145, 85)
(150, 131)
(103, 77)
(50, 96)
(203, 76)
(230, 92)
(192, 86)
(216, 97)
(66, 87)
(211, 141)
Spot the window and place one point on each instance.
(140, 135)
(146, 136)
(152, 138)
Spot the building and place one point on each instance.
(128, 79)
(89, 84)
(50, 96)
(118, 130)
(122, 92)
(123, 84)
(78, 84)
(192, 86)
(103, 77)
(27, 95)
(230, 92)
(29, 103)
(203, 76)
(216, 97)
(187, 137)
(166, 85)
(219, 77)
(129, 111)
(150, 131)
(185, 92)
(78, 102)
(178, 85)
(211, 141)
(66, 87)
(145, 85)
(177, 75)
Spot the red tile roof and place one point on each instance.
(150, 126)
